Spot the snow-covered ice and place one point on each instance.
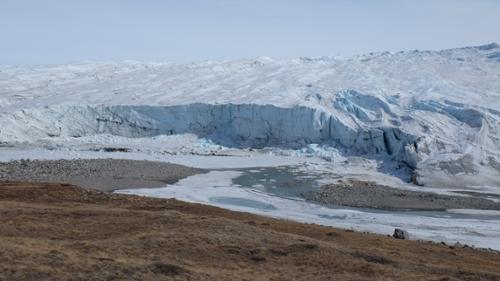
(429, 117)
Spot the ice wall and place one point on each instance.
(436, 159)
(238, 125)
(443, 143)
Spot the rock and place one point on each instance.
(401, 234)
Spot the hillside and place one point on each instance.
(62, 232)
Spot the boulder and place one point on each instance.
(401, 234)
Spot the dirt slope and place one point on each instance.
(63, 232)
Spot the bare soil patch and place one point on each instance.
(63, 232)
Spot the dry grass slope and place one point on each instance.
(63, 232)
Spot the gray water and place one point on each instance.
(243, 202)
(283, 181)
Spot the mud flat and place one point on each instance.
(364, 194)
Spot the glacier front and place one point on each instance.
(435, 113)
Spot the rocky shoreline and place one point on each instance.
(103, 174)
(364, 194)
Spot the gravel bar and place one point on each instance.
(364, 194)
(103, 174)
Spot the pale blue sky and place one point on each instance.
(61, 31)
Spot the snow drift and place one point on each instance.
(436, 112)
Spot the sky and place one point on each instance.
(63, 31)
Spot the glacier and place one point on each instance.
(436, 113)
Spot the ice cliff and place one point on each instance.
(436, 112)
